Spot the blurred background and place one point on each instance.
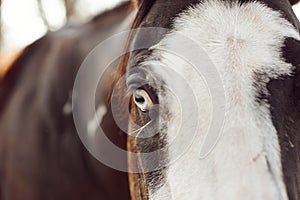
(24, 21)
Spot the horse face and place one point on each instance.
(246, 44)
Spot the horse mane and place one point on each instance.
(143, 8)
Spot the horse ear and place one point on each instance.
(293, 2)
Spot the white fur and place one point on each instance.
(240, 40)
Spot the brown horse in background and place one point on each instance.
(41, 155)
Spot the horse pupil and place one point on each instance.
(140, 99)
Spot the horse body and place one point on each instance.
(41, 154)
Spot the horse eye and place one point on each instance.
(142, 100)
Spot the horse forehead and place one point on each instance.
(152, 15)
(155, 18)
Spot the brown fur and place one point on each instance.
(137, 181)
(7, 60)
(293, 2)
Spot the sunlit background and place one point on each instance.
(24, 21)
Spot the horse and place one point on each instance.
(253, 47)
(41, 155)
